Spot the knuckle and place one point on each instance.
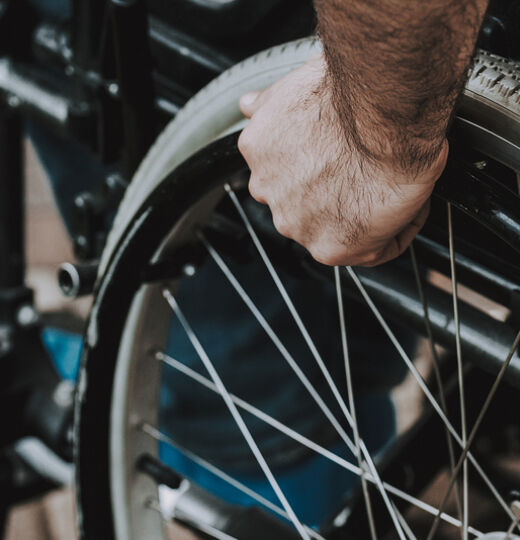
(255, 189)
(372, 258)
(245, 141)
(327, 255)
(281, 224)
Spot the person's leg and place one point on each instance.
(254, 370)
(314, 486)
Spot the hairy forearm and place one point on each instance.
(396, 68)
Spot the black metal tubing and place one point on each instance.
(485, 341)
(110, 40)
(499, 285)
(24, 87)
(89, 105)
(181, 60)
(214, 18)
(17, 20)
(89, 19)
(482, 198)
(12, 247)
(134, 77)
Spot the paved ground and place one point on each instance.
(47, 242)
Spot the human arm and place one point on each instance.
(396, 68)
(346, 149)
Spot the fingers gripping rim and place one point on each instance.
(208, 115)
(214, 111)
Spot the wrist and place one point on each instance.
(410, 159)
(389, 149)
(426, 167)
(394, 149)
(406, 145)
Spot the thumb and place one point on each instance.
(249, 103)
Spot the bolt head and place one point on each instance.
(27, 315)
(111, 181)
(81, 240)
(79, 201)
(14, 101)
(189, 270)
(64, 394)
(113, 89)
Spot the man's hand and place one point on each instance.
(344, 207)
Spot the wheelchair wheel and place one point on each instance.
(186, 217)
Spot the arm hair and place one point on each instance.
(396, 69)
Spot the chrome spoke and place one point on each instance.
(406, 527)
(474, 430)
(424, 387)
(161, 437)
(350, 393)
(202, 527)
(278, 344)
(236, 415)
(460, 376)
(314, 351)
(436, 368)
(282, 428)
(286, 430)
(513, 526)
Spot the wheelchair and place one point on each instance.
(153, 88)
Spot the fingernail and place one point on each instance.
(248, 99)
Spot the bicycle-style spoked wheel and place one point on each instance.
(185, 297)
